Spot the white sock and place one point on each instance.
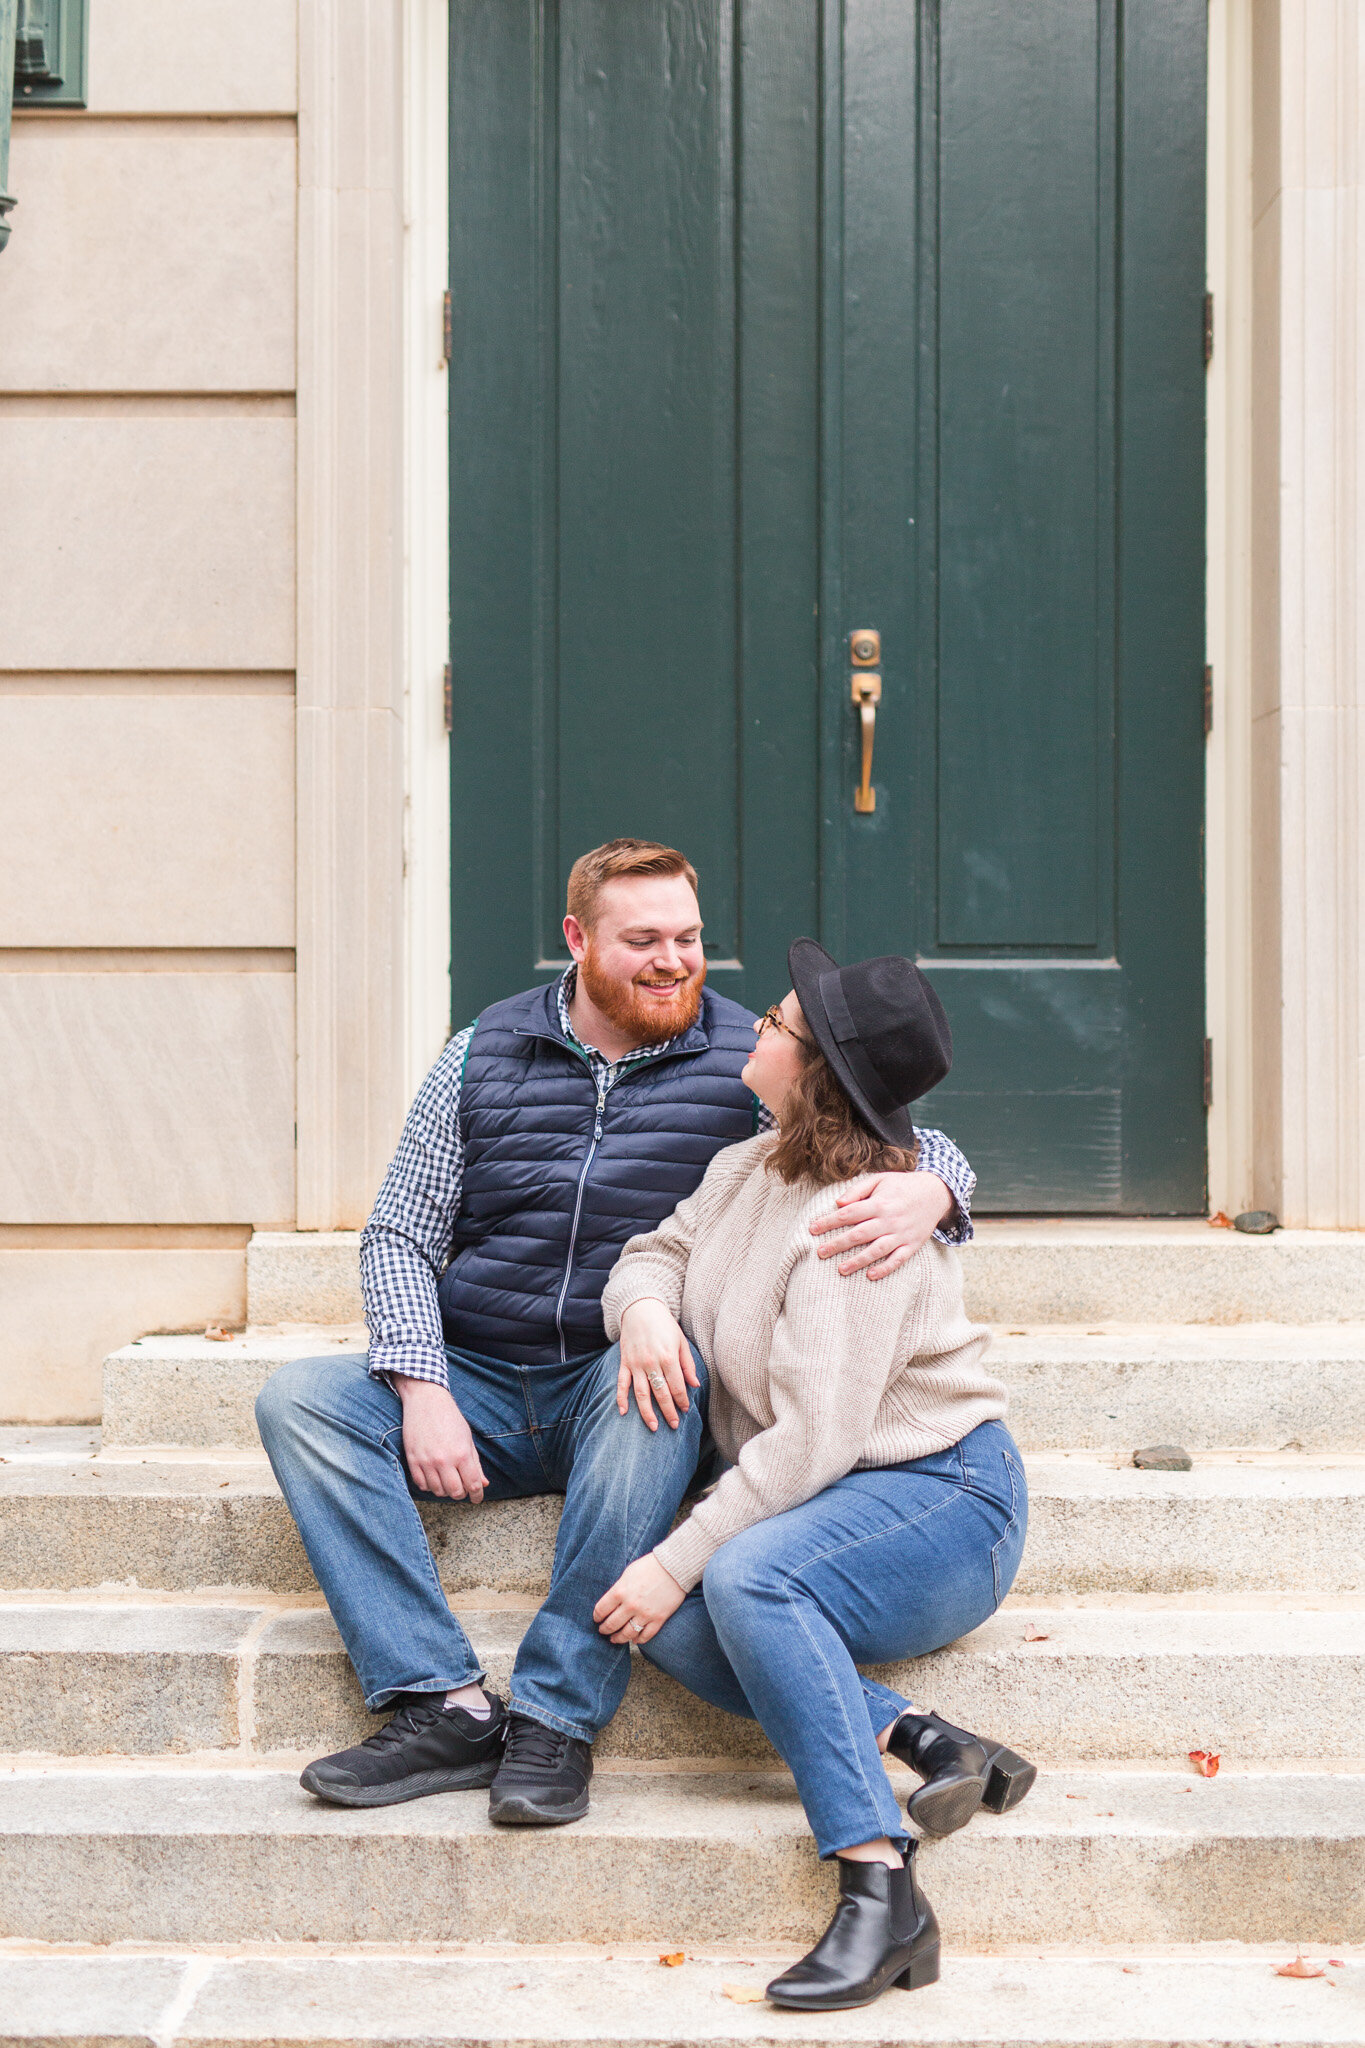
(472, 1700)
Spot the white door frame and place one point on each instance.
(426, 537)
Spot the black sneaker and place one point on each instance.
(424, 1748)
(543, 1778)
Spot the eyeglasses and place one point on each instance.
(778, 1022)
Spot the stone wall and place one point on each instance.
(201, 668)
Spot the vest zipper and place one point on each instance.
(573, 1228)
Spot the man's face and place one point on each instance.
(642, 962)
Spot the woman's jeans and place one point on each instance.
(884, 1564)
(335, 1439)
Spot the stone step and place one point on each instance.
(1265, 1685)
(1256, 1385)
(1103, 1269)
(125, 1854)
(617, 2000)
(1244, 1523)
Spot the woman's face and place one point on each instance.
(777, 1057)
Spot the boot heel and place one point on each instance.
(1010, 1779)
(923, 1970)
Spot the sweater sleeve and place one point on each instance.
(835, 1347)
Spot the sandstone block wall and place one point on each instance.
(147, 674)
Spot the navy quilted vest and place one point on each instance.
(556, 1181)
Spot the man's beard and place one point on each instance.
(643, 1018)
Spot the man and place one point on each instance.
(562, 1122)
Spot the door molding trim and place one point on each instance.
(426, 551)
(1228, 802)
(350, 610)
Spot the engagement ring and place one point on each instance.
(637, 1626)
(657, 1381)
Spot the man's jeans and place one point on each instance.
(335, 1440)
(882, 1565)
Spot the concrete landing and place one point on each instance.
(186, 1522)
(1262, 1685)
(195, 1856)
(627, 2001)
(1262, 1386)
(1017, 1270)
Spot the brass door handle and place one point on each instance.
(867, 695)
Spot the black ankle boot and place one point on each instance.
(883, 1932)
(961, 1772)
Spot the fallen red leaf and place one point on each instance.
(1222, 1221)
(1205, 1762)
(217, 1334)
(671, 1962)
(1036, 1635)
(1333, 1963)
(1298, 1968)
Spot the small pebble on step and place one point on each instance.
(1256, 1222)
(1163, 1458)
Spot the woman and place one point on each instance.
(874, 1506)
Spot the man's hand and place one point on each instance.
(884, 1223)
(640, 1602)
(656, 1359)
(437, 1444)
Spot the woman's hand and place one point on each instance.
(885, 1222)
(638, 1605)
(655, 1358)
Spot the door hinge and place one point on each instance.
(447, 700)
(448, 329)
(1208, 698)
(1208, 1073)
(1208, 329)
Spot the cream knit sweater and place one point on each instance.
(812, 1373)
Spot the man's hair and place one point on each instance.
(619, 857)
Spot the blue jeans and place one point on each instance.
(335, 1440)
(884, 1564)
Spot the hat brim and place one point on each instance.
(807, 960)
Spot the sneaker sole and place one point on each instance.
(472, 1778)
(512, 1811)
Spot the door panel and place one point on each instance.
(655, 575)
(774, 320)
(1037, 838)
(1025, 505)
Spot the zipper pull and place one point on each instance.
(601, 1105)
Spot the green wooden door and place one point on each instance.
(774, 320)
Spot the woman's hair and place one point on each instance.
(823, 1138)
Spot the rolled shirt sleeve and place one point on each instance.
(406, 1242)
(938, 1154)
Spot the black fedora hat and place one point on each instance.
(882, 1029)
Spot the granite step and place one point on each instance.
(1243, 1522)
(1263, 1685)
(129, 1854)
(1260, 1386)
(1017, 1270)
(619, 2000)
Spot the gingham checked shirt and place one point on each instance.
(406, 1243)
